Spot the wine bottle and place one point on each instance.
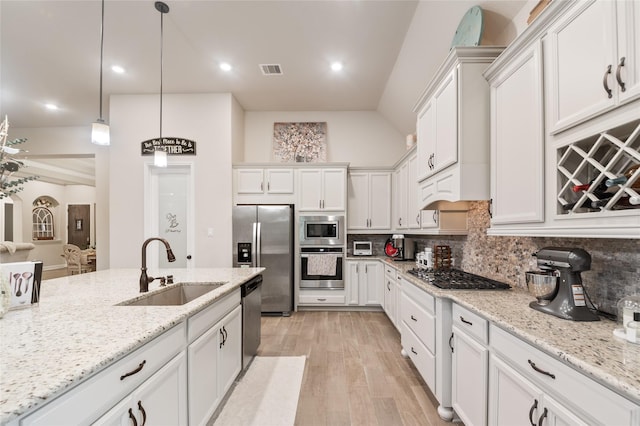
(622, 202)
(620, 180)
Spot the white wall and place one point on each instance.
(205, 118)
(362, 138)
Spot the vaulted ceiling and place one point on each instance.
(50, 53)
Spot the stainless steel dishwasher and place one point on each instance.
(251, 312)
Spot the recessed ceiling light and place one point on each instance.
(52, 107)
(225, 66)
(336, 66)
(117, 69)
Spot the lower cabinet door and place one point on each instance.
(513, 400)
(203, 372)
(161, 400)
(230, 362)
(470, 364)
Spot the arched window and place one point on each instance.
(43, 218)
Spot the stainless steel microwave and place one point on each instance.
(321, 230)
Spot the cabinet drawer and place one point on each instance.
(582, 395)
(205, 319)
(420, 297)
(472, 324)
(419, 321)
(329, 299)
(89, 400)
(421, 357)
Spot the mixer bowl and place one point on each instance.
(542, 285)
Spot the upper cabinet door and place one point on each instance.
(446, 98)
(249, 181)
(582, 64)
(517, 141)
(279, 181)
(358, 201)
(628, 69)
(310, 196)
(334, 189)
(426, 133)
(379, 200)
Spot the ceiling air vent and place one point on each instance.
(271, 69)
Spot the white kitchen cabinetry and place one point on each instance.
(215, 356)
(264, 185)
(160, 400)
(453, 129)
(321, 297)
(517, 139)
(369, 201)
(391, 299)
(322, 189)
(527, 386)
(159, 362)
(400, 192)
(365, 283)
(451, 220)
(594, 61)
(418, 331)
(470, 364)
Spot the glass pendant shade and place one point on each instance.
(160, 158)
(100, 133)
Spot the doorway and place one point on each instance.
(170, 210)
(79, 225)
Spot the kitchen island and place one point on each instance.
(78, 329)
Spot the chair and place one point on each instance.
(77, 263)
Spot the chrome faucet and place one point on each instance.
(144, 278)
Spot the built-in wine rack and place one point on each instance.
(600, 173)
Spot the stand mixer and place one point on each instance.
(568, 301)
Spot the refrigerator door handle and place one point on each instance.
(254, 249)
(259, 245)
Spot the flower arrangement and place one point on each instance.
(300, 142)
(8, 164)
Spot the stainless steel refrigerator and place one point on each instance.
(263, 236)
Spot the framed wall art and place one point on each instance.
(304, 142)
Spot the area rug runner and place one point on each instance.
(267, 394)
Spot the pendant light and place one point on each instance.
(160, 155)
(100, 129)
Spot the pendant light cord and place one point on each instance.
(101, 55)
(162, 8)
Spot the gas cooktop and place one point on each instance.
(455, 279)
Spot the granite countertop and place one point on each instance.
(76, 330)
(589, 347)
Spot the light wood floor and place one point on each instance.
(354, 374)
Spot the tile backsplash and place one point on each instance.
(615, 263)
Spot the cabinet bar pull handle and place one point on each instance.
(388, 286)
(533, 408)
(533, 365)
(605, 83)
(132, 417)
(620, 82)
(137, 370)
(144, 413)
(414, 318)
(450, 345)
(544, 414)
(465, 321)
(261, 186)
(490, 208)
(222, 337)
(268, 186)
(321, 299)
(366, 269)
(412, 350)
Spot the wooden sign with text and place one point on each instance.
(173, 146)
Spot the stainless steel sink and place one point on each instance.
(174, 295)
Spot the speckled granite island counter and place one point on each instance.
(77, 330)
(588, 347)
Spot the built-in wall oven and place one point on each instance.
(321, 267)
(322, 242)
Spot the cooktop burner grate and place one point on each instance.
(455, 279)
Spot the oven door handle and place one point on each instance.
(340, 255)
